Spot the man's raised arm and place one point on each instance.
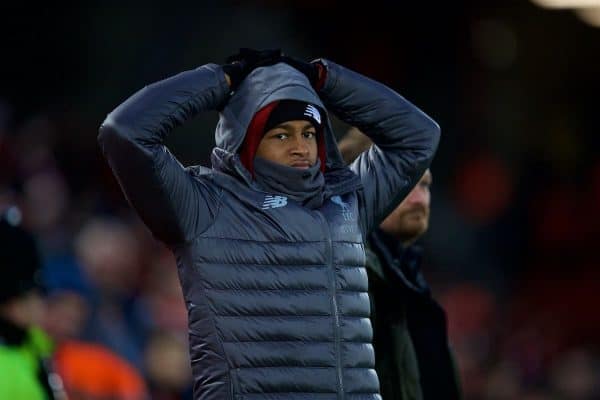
(405, 138)
(173, 204)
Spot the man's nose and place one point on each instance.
(419, 195)
(299, 146)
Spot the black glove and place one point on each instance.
(239, 65)
(311, 70)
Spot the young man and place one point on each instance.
(269, 242)
(412, 357)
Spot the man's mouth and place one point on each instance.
(418, 213)
(300, 164)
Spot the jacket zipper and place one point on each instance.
(334, 306)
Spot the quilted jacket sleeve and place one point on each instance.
(170, 201)
(405, 139)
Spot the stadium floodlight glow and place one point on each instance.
(567, 3)
(590, 16)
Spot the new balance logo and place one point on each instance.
(274, 202)
(311, 111)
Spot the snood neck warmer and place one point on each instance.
(302, 185)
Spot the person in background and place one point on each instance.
(167, 366)
(25, 350)
(412, 357)
(89, 370)
(40, 356)
(110, 257)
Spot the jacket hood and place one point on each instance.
(261, 87)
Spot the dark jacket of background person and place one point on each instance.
(277, 296)
(412, 357)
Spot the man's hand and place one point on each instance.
(314, 71)
(239, 65)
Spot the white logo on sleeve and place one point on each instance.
(311, 111)
(274, 202)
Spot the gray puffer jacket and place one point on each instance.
(276, 292)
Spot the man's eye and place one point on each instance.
(280, 136)
(309, 135)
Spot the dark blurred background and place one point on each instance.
(511, 252)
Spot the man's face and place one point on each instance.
(292, 143)
(411, 218)
(25, 310)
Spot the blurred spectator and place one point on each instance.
(25, 350)
(34, 364)
(110, 256)
(575, 375)
(410, 338)
(502, 383)
(167, 366)
(161, 294)
(166, 357)
(92, 372)
(89, 370)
